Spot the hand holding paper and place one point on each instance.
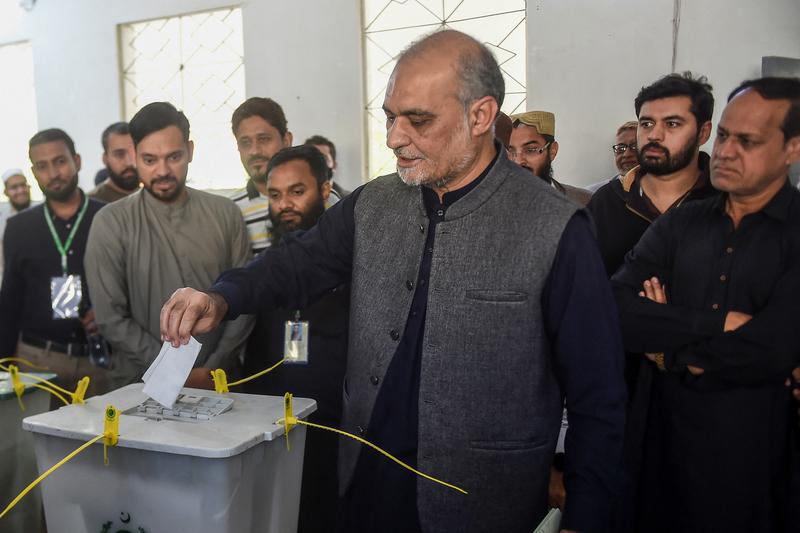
(166, 376)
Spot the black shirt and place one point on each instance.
(31, 260)
(577, 306)
(717, 446)
(622, 212)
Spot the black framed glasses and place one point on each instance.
(621, 147)
(529, 150)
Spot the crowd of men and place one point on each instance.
(458, 307)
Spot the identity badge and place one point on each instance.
(65, 296)
(295, 342)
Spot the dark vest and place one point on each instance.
(489, 403)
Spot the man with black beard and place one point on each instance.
(44, 285)
(674, 116)
(119, 158)
(298, 186)
(533, 146)
(150, 243)
(674, 121)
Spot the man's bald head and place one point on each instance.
(475, 67)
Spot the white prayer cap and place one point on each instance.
(10, 173)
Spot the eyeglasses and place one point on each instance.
(529, 150)
(621, 147)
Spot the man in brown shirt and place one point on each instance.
(120, 161)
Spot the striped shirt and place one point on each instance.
(255, 210)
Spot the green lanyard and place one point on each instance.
(63, 248)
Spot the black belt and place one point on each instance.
(71, 348)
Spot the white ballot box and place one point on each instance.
(17, 460)
(207, 465)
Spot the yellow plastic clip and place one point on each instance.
(17, 384)
(220, 380)
(289, 420)
(80, 390)
(110, 430)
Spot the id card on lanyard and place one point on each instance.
(66, 291)
(295, 341)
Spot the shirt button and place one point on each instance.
(729, 249)
(430, 250)
(422, 229)
(440, 213)
(394, 334)
(374, 380)
(409, 284)
(723, 277)
(715, 306)
(70, 252)
(361, 430)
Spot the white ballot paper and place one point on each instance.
(167, 375)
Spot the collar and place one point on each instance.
(431, 199)
(74, 215)
(164, 208)
(252, 191)
(778, 206)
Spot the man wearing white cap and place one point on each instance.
(18, 192)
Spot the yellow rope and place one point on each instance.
(37, 378)
(379, 450)
(52, 469)
(23, 361)
(51, 391)
(257, 375)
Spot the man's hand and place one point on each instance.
(190, 312)
(200, 378)
(735, 319)
(654, 290)
(556, 493)
(88, 323)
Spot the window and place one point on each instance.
(17, 109)
(196, 63)
(389, 26)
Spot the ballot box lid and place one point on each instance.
(249, 421)
(7, 390)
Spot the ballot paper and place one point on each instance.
(551, 522)
(166, 376)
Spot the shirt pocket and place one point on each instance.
(499, 296)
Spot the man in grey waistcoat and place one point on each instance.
(479, 303)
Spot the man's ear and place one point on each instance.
(325, 190)
(190, 146)
(704, 134)
(77, 158)
(287, 139)
(793, 150)
(482, 114)
(553, 150)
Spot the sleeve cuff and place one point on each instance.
(233, 297)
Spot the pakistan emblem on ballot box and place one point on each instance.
(125, 526)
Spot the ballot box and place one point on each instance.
(17, 460)
(214, 463)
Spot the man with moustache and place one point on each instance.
(297, 186)
(709, 293)
(467, 328)
(148, 244)
(119, 158)
(674, 121)
(43, 252)
(533, 146)
(260, 128)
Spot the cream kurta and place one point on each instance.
(140, 251)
